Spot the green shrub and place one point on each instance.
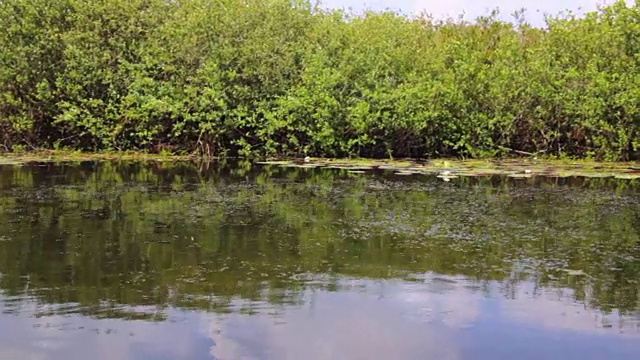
(283, 77)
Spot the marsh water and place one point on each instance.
(167, 260)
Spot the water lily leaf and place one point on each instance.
(627, 176)
(275, 162)
(596, 175)
(8, 162)
(302, 166)
(520, 176)
(447, 177)
(572, 272)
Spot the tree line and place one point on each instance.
(290, 78)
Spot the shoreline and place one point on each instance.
(449, 168)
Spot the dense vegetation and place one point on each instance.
(170, 234)
(284, 77)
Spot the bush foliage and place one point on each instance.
(286, 77)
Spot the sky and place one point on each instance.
(473, 8)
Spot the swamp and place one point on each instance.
(186, 179)
(168, 259)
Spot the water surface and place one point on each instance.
(153, 260)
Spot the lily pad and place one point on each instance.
(627, 176)
(447, 177)
(514, 168)
(302, 166)
(572, 272)
(596, 175)
(272, 162)
(4, 161)
(520, 176)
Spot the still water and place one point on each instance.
(160, 260)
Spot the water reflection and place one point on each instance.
(367, 319)
(170, 260)
(77, 337)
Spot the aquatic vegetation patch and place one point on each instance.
(73, 156)
(448, 169)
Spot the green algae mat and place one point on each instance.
(446, 169)
(55, 156)
(451, 169)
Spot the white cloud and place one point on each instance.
(439, 318)
(338, 326)
(24, 336)
(555, 309)
(365, 320)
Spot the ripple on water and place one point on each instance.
(293, 262)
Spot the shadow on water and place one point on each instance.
(179, 244)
